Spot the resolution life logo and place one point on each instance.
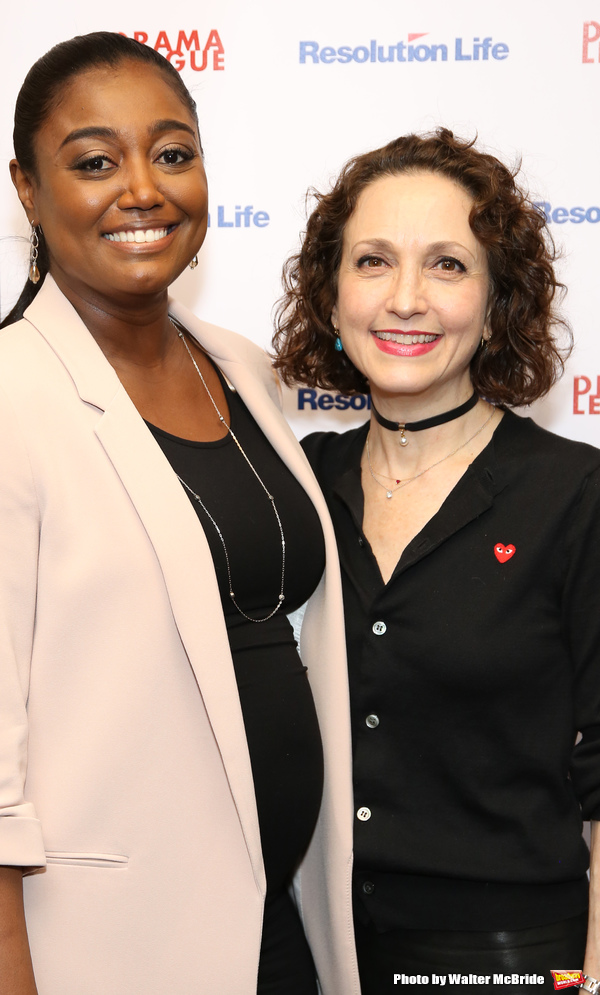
(188, 50)
(591, 42)
(582, 387)
(477, 50)
(240, 217)
(575, 215)
(310, 399)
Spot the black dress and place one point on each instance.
(279, 714)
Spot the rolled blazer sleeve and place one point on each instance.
(20, 831)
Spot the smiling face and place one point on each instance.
(120, 190)
(413, 288)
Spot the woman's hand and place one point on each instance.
(16, 970)
(592, 951)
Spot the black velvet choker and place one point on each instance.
(418, 426)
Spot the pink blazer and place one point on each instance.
(124, 771)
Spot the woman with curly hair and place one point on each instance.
(470, 541)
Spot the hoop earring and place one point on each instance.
(194, 262)
(34, 244)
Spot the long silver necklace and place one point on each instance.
(390, 491)
(197, 497)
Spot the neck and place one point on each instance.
(403, 408)
(133, 331)
(425, 447)
(424, 423)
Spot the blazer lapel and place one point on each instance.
(175, 533)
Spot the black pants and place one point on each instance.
(421, 954)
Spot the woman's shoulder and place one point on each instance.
(332, 453)
(216, 338)
(521, 438)
(13, 334)
(231, 351)
(524, 429)
(24, 354)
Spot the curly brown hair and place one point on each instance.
(523, 357)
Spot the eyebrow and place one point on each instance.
(96, 131)
(383, 243)
(448, 247)
(171, 124)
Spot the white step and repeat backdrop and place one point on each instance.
(287, 92)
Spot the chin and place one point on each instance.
(403, 389)
(147, 282)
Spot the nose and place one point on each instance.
(407, 293)
(140, 187)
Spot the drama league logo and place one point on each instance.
(584, 402)
(187, 51)
(591, 42)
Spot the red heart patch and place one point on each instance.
(503, 553)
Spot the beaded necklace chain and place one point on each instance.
(281, 597)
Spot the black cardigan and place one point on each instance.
(467, 701)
